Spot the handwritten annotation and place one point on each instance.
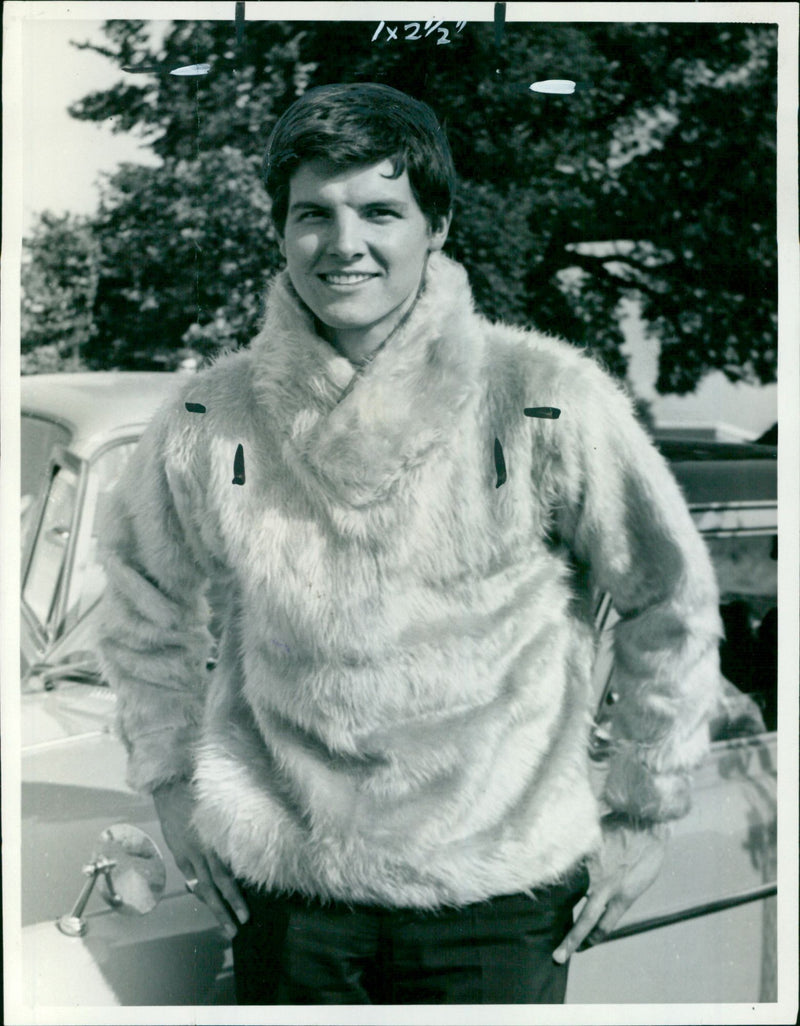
(414, 29)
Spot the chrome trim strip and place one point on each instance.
(736, 505)
(60, 742)
(693, 912)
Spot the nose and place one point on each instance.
(345, 239)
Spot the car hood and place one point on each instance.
(73, 787)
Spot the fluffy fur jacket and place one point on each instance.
(400, 563)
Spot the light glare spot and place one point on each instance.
(192, 69)
(554, 85)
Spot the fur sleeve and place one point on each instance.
(626, 518)
(154, 644)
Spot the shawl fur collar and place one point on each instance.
(355, 432)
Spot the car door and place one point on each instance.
(706, 930)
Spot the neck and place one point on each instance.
(358, 347)
(361, 347)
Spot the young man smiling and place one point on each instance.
(356, 244)
(383, 788)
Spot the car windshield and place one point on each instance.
(38, 436)
(48, 559)
(88, 579)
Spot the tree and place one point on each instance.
(186, 248)
(656, 178)
(59, 286)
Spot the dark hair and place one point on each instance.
(362, 123)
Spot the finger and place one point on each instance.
(609, 919)
(228, 888)
(186, 868)
(584, 924)
(206, 891)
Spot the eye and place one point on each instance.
(382, 213)
(311, 214)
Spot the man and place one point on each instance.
(399, 509)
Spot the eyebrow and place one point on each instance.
(394, 204)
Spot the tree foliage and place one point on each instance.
(656, 178)
(59, 287)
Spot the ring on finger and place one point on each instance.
(191, 885)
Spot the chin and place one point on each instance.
(343, 322)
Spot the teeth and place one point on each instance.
(345, 279)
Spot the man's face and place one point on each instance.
(355, 244)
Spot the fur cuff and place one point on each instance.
(635, 790)
(158, 758)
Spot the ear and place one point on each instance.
(437, 235)
(282, 245)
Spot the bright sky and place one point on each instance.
(748, 409)
(64, 158)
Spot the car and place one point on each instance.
(704, 932)
(77, 432)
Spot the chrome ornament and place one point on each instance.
(133, 872)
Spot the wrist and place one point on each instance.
(170, 782)
(167, 788)
(619, 819)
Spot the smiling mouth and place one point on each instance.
(346, 278)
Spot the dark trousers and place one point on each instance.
(298, 951)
